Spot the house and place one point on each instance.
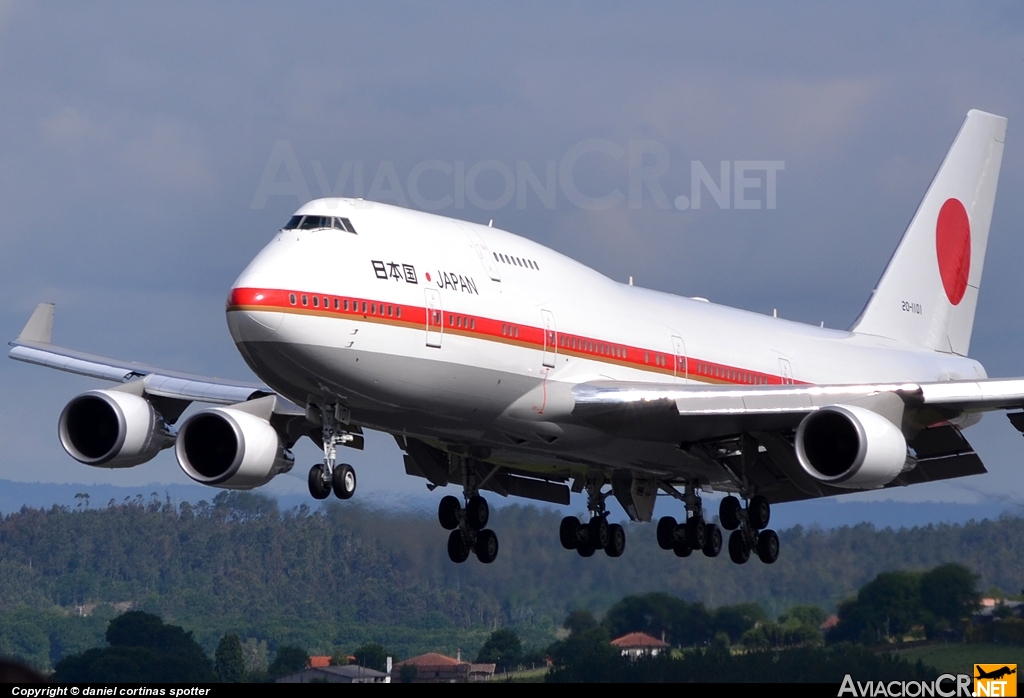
(433, 667)
(635, 645)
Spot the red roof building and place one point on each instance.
(437, 668)
(635, 645)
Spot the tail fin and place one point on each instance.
(929, 291)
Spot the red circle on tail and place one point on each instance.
(953, 247)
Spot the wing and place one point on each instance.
(33, 346)
(710, 423)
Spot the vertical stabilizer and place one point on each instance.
(929, 291)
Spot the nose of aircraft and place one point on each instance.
(253, 314)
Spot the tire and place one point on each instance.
(343, 481)
(486, 547)
(768, 546)
(666, 532)
(713, 544)
(616, 541)
(739, 551)
(696, 532)
(448, 512)
(598, 532)
(758, 512)
(458, 551)
(567, 531)
(729, 513)
(317, 487)
(585, 549)
(477, 512)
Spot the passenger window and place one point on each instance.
(345, 304)
(472, 323)
(373, 308)
(364, 307)
(398, 311)
(305, 299)
(291, 298)
(391, 309)
(316, 302)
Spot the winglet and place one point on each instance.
(39, 328)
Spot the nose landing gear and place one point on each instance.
(329, 476)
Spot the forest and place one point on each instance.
(342, 576)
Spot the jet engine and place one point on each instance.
(851, 447)
(230, 448)
(112, 429)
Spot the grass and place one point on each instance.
(961, 658)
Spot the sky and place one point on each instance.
(149, 150)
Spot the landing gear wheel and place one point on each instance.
(598, 532)
(616, 541)
(448, 512)
(681, 548)
(477, 512)
(567, 532)
(768, 546)
(729, 513)
(666, 532)
(343, 481)
(486, 547)
(739, 549)
(758, 512)
(696, 532)
(585, 549)
(458, 551)
(318, 487)
(713, 544)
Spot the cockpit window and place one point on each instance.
(318, 223)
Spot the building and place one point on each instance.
(437, 668)
(635, 645)
(350, 673)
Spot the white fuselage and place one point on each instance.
(441, 329)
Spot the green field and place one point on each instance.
(960, 659)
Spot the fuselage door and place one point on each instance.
(482, 252)
(679, 359)
(786, 370)
(435, 317)
(550, 338)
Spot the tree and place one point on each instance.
(229, 660)
(657, 613)
(948, 594)
(142, 649)
(579, 621)
(372, 656)
(585, 656)
(288, 660)
(503, 648)
(736, 620)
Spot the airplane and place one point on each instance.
(500, 365)
(995, 673)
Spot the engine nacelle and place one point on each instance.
(112, 429)
(229, 448)
(850, 446)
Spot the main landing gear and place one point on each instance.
(749, 532)
(597, 533)
(467, 523)
(331, 476)
(695, 533)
